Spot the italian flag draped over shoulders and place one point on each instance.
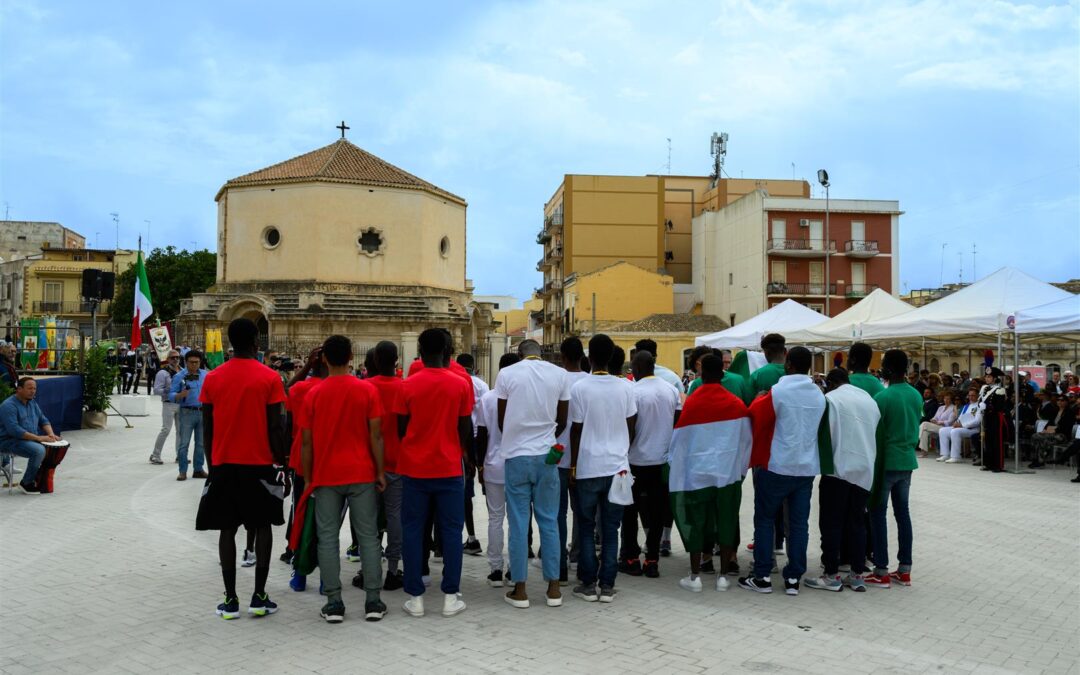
(710, 447)
(144, 306)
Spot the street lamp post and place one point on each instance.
(823, 178)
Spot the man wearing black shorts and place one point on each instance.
(246, 443)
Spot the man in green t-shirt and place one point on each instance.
(762, 380)
(858, 361)
(897, 434)
(733, 382)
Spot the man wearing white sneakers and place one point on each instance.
(533, 402)
(490, 469)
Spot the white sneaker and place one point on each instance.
(941, 458)
(691, 583)
(952, 460)
(452, 604)
(249, 559)
(415, 605)
(722, 582)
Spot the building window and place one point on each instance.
(444, 247)
(371, 242)
(779, 271)
(816, 306)
(730, 278)
(858, 230)
(779, 229)
(271, 237)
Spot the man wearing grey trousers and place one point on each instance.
(169, 410)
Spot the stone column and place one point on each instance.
(408, 350)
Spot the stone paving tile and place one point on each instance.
(109, 575)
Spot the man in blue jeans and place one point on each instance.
(897, 436)
(785, 426)
(23, 429)
(434, 410)
(533, 399)
(603, 413)
(185, 389)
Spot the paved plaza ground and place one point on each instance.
(109, 575)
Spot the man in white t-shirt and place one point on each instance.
(602, 414)
(573, 353)
(658, 405)
(489, 467)
(666, 374)
(533, 398)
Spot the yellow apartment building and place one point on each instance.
(594, 221)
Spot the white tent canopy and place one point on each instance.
(784, 318)
(847, 326)
(983, 307)
(1061, 316)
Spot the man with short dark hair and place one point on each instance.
(247, 445)
(343, 461)
(23, 429)
(860, 355)
(785, 426)
(775, 348)
(661, 372)
(435, 425)
(603, 414)
(898, 433)
(184, 391)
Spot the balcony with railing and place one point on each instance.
(542, 237)
(859, 290)
(799, 289)
(70, 307)
(859, 248)
(543, 264)
(800, 248)
(554, 254)
(553, 221)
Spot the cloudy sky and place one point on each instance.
(967, 112)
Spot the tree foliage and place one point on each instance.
(173, 276)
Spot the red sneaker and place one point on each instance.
(902, 578)
(876, 581)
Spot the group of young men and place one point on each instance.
(545, 441)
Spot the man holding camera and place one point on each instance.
(186, 386)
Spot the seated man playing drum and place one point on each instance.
(23, 430)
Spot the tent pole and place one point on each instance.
(1016, 404)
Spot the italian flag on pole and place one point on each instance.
(144, 306)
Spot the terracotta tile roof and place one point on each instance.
(673, 323)
(339, 162)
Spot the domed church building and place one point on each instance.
(340, 241)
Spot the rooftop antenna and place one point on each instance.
(669, 156)
(718, 149)
(116, 219)
(974, 277)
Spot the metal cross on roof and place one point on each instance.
(343, 128)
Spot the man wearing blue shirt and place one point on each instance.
(21, 420)
(185, 389)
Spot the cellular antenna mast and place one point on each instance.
(718, 149)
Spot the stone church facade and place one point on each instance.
(340, 241)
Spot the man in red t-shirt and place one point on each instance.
(246, 445)
(342, 460)
(388, 383)
(302, 382)
(435, 425)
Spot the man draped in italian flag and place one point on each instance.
(708, 459)
(144, 306)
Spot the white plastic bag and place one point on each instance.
(621, 491)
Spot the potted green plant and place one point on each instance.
(98, 380)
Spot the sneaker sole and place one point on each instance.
(722, 589)
(332, 618)
(553, 602)
(755, 589)
(607, 598)
(495, 584)
(520, 604)
(453, 612)
(879, 585)
(791, 591)
(834, 589)
(228, 616)
(858, 589)
(413, 612)
(690, 588)
(586, 598)
(261, 611)
(374, 616)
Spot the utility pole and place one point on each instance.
(941, 275)
(974, 276)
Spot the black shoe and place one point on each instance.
(495, 579)
(564, 577)
(651, 569)
(791, 586)
(707, 567)
(531, 554)
(1036, 465)
(1076, 480)
(358, 580)
(286, 557)
(230, 609)
(631, 567)
(374, 610)
(436, 555)
(333, 612)
(261, 605)
(472, 548)
(752, 583)
(665, 549)
(394, 581)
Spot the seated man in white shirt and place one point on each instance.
(967, 424)
(944, 417)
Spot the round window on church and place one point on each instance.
(444, 247)
(271, 237)
(370, 242)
